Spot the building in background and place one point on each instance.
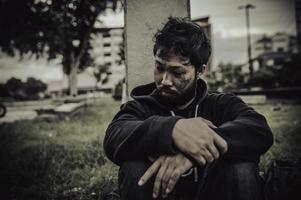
(204, 22)
(106, 45)
(273, 50)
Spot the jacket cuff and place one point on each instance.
(164, 128)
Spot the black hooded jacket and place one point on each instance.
(143, 126)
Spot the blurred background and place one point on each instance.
(63, 77)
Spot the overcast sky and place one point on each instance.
(229, 24)
(228, 27)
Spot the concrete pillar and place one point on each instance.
(142, 20)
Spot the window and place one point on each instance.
(107, 54)
(107, 44)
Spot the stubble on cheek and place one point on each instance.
(184, 84)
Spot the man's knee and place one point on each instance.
(133, 169)
(234, 180)
(129, 174)
(244, 172)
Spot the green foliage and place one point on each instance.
(290, 73)
(284, 73)
(17, 89)
(56, 28)
(121, 52)
(32, 25)
(228, 76)
(14, 84)
(117, 93)
(34, 86)
(265, 77)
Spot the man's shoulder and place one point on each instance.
(139, 104)
(221, 98)
(131, 103)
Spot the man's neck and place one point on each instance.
(185, 105)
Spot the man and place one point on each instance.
(175, 140)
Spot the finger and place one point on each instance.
(158, 180)
(209, 123)
(213, 150)
(220, 143)
(173, 180)
(200, 159)
(149, 172)
(207, 155)
(167, 176)
(151, 159)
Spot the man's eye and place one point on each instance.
(159, 68)
(178, 73)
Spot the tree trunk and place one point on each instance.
(75, 58)
(73, 90)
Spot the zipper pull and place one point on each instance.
(196, 178)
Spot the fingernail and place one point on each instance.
(167, 191)
(154, 195)
(140, 182)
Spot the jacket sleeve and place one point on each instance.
(134, 135)
(247, 133)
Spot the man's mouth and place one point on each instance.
(167, 91)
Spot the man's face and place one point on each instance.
(175, 78)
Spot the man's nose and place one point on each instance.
(166, 81)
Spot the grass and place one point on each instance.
(286, 126)
(59, 159)
(64, 159)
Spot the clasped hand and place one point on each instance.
(193, 137)
(168, 169)
(196, 138)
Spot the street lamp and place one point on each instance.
(247, 7)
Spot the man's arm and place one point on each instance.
(134, 135)
(246, 132)
(242, 132)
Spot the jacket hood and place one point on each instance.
(148, 93)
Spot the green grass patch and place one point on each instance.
(285, 123)
(60, 159)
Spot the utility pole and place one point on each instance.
(247, 7)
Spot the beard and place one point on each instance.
(175, 99)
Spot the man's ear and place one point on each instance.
(201, 70)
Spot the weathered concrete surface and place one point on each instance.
(69, 109)
(12, 116)
(142, 20)
(17, 111)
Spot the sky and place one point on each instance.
(229, 24)
(228, 27)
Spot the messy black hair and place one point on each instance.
(182, 37)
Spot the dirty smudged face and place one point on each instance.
(175, 78)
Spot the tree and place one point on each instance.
(33, 86)
(17, 89)
(52, 27)
(99, 71)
